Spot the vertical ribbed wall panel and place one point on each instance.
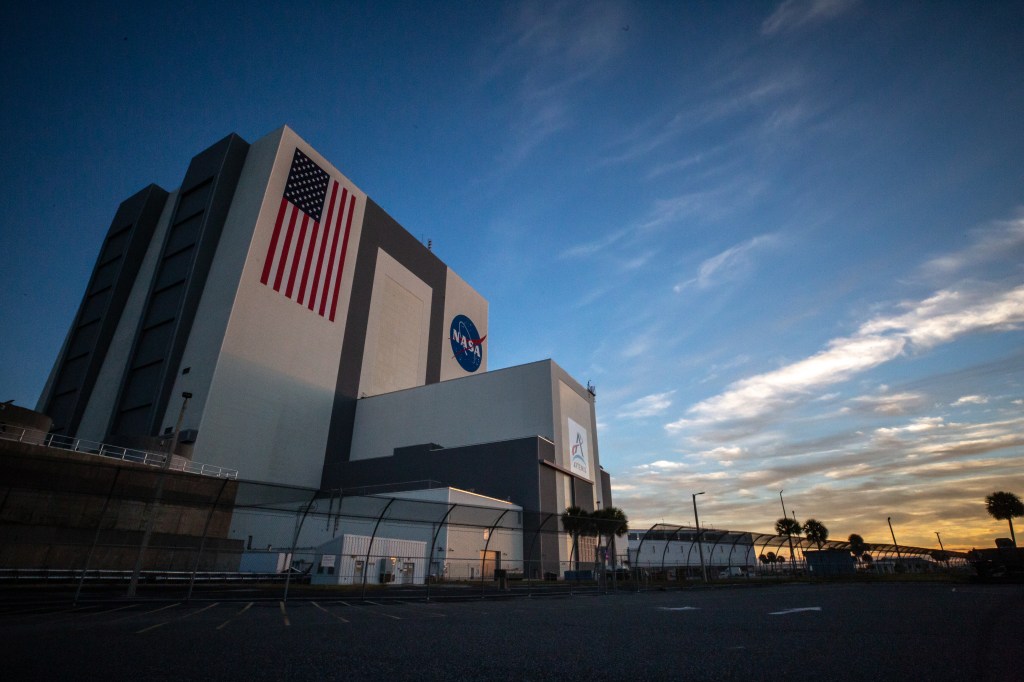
(188, 250)
(101, 308)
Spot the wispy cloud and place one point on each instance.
(1002, 240)
(726, 264)
(890, 403)
(970, 400)
(938, 319)
(948, 314)
(917, 426)
(647, 406)
(552, 49)
(709, 203)
(761, 394)
(795, 14)
(590, 248)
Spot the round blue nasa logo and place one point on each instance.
(466, 343)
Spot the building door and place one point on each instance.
(489, 561)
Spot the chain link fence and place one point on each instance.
(85, 522)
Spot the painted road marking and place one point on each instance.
(374, 611)
(382, 614)
(246, 608)
(328, 612)
(180, 617)
(806, 608)
(119, 608)
(679, 608)
(284, 614)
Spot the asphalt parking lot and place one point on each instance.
(889, 631)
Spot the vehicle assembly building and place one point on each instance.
(280, 322)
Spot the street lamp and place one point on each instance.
(896, 544)
(700, 546)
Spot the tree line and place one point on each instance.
(1000, 505)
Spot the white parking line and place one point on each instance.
(247, 607)
(328, 612)
(373, 611)
(181, 617)
(284, 614)
(806, 608)
(679, 608)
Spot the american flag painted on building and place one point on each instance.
(306, 256)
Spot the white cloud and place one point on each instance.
(725, 264)
(663, 465)
(917, 426)
(970, 400)
(648, 406)
(723, 455)
(938, 319)
(949, 314)
(590, 248)
(757, 395)
(890, 403)
(995, 242)
(794, 14)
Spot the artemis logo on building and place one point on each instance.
(466, 343)
(578, 460)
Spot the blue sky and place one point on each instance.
(784, 240)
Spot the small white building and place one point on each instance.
(353, 560)
(444, 533)
(669, 548)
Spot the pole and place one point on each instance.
(942, 549)
(700, 545)
(158, 492)
(895, 544)
(792, 556)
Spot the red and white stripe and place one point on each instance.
(306, 259)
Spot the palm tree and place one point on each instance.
(610, 522)
(576, 522)
(1004, 506)
(816, 532)
(788, 527)
(857, 546)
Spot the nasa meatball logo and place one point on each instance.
(466, 343)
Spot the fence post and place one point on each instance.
(369, 547)
(295, 541)
(433, 543)
(202, 541)
(483, 560)
(96, 535)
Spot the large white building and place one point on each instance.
(320, 343)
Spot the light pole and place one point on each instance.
(941, 548)
(792, 558)
(700, 545)
(895, 544)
